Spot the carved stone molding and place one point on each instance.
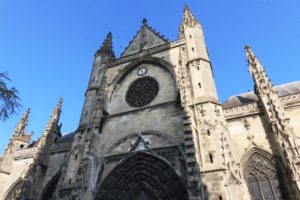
(26, 153)
(241, 110)
(290, 98)
(252, 108)
(146, 52)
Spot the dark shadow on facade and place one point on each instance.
(142, 176)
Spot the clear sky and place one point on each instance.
(47, 47)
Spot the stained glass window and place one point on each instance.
(262, 179)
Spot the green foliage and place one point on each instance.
(9, 99)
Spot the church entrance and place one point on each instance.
(142, 176)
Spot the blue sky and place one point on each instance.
(47, 47)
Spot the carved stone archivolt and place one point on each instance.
(50, 189)
(14, 192)
(142, 176)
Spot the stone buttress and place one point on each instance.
(204, 120)
(37, 170)
(285, 144)
(76, 180)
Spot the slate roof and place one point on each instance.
(250, 97)
(66, 138)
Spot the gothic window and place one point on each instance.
(262, 179)
(142, 91)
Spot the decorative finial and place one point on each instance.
(263, 85)
(249, 52)
(56, 112)
(254, 64)
(21, 126)
(186, 7)
(58, 106)
(106, 50)
(188, 19)
(145, 22)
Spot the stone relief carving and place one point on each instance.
(141, 141)
(142, 175)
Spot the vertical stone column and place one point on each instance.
(207, 137)
(77, 180)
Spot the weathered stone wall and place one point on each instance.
(18, 170)
(56, 162)
(167, 91)
(118, 127)
(249, 130)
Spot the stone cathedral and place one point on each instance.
(152, 128)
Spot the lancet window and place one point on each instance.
(262, 178)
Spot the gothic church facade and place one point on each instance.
(152, 128)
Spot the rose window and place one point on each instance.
(142, 91)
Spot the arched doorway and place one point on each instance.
(49, 191)
(14, 191)
(262, 178)
(142, 176)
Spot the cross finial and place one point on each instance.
(186, 7)
(145, 22)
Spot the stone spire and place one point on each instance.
(265, 90)
(56, 112)
(286, 142)
(20, 137)
(106, 50)
(41, 160)
(21, 126)
(188, 19)
(51, 132)
(260, 78)
(191, 31)
(53, 122)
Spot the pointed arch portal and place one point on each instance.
(14, 191)
(262, 178)
(49, 191)
(142, 176)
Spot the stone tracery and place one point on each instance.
(262, 178)
(142, 176)
(142, 92)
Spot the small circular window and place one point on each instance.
(142, 91)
